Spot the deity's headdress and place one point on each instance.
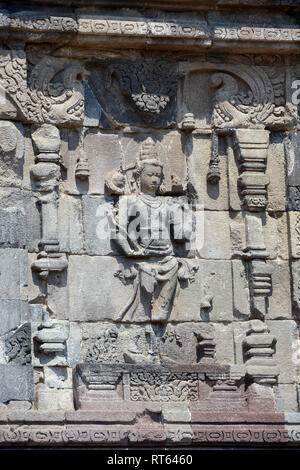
(148, 156)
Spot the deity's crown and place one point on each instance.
(148, 150)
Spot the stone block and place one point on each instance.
(294, 163)
(16, 383)
(277, 174)
(288, 397)
(74, 345)
(70, 224)
(13, 273)
(214, 197)
(196, 98)
(104, 153)
(54, 399)
(91, 282)
(177, 412)
(20, 219)
(12, 314)
(275, 235)
(11, 153)
(294, 226)
(224, 343)
(241, 294)
(217, 240)
(234, 196)
(295, 267)
(209, 297)
(280, 300)
(96, 227)
(285, 332)
(58, 377)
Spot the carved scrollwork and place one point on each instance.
(250, 96)
(55, 92)
(13, 77)
(18, 345)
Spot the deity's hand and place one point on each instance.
(136, 253)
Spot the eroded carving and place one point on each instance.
(18, 345)
(151, 386)
(52, 100)
(13, 76)
(150, 85)
(187, 343)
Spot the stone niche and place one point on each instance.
(150, 224)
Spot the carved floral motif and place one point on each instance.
(13, 77)
(151, 386)
(18, 345)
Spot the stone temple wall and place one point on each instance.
(150, 222)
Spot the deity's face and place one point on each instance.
(151, 178)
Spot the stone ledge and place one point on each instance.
(121, 31)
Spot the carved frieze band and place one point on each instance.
(147, 27)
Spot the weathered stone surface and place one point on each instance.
(225, 353)
(276, 170)
(20, 220)
(280, 300)
(288, 395)
(87, 300)
(198, 150)
(275, 227)
(13, 273)
(294, 161)
(216, 242)
(294, 226)
(16, 383)
(285, 332)
(11, 154)
(95, 225)
(241, 294)
(149, 240)
(12, 314)
(204, 298)
(70, 228)
(54, 399)
(135, 92)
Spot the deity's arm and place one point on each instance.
(120, 221)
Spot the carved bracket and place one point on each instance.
(258, 351)
(251, 147)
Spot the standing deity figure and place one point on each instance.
(147, 226)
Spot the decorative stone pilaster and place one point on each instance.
(260, 281)
(258, 353)
(46, 174)
(213, 175)
(251, 146)
(261, 369)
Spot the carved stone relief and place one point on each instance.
(150, 227)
